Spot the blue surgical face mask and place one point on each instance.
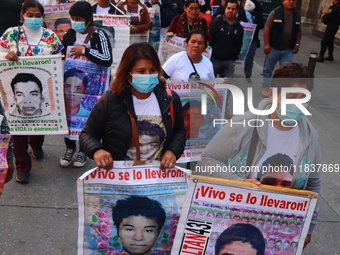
(78, 26)
(292, 113)
(33, 23)
(144, 83)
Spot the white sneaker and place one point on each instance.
(66, 158)
(80, 160)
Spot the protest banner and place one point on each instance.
(280, 216)
(4, 141)
(200, 128)
(115, 204)
(169, 46)
(58, 19)
(36, 109)
(85, 82)
(249, 30)
(155, 30)
(118, 29)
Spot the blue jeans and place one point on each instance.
(225, 68)
(281, 56)
(249, 61)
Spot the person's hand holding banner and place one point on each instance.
(168, 160)
(103, 159)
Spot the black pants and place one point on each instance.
(328, 41)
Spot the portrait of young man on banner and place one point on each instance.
(236, 219)
(28, 96)
(133, 211)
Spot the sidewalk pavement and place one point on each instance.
(41, 217)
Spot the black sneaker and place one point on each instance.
(66, 158)
(38, 153)
(80, 160)
(23, 176)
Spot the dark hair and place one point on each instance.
(32, 4)
(278, 160)
(138, 206)
(74, 72)
(188, 2)
(197, 31)
(26, 77)
(242, 232)
(290, 73)
(147, 128)
(192, 104)
(61, 21)
(132, 54)
(82, 9)
(232, 2)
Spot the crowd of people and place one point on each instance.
(138, 118)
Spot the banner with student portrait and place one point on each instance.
(129, 209)
(169, 46)
(248, 35)
(57, 19)
(118, 30)
(276, 219)
(209, 96)
(84, 83)
(31, 91)
(4, 141)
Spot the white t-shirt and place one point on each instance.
(151, 129)
(179, 67)
(282, 147)
(101, 10)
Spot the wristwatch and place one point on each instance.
(83, 51)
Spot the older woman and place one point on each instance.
(115, 129)
(182, 25)
(190, 64)
(140, 19)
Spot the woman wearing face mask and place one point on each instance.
(138, 95)
(30, 39)
(287, 137)
(93, 43)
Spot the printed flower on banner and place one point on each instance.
(169, 236)
(101, 224)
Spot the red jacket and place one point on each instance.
(179, 26)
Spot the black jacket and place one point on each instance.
(332, 18)
(100, 52)
(276, 32)
(109, 126)
(225, 45)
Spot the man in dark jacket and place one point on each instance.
(282, 36)
(332, 20)
(226, 40)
